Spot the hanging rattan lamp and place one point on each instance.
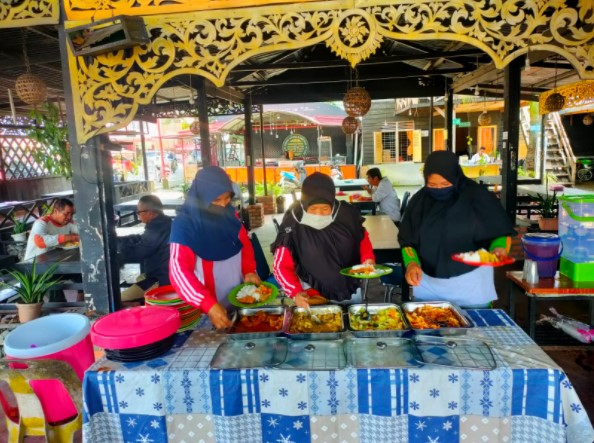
(29, 87)
(357, 102)
(555, 102)
(350, 125)
(588, 120)
(195, 127)
(484, 119)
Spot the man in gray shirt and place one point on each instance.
(383, 193)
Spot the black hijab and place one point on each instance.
(319, 255)
(437, 229)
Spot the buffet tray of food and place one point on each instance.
(303, 324)
(376, 320)
(263, 322)
(436, 318)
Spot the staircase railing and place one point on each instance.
(566, 150)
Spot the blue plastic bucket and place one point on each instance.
(545, 249)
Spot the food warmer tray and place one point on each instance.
(443, 331)
(318, 355)
(387, 352)
(319, 311)
(455, 352)
(244, 354)
(248, 312)
(374, 309)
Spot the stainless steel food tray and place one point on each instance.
(374, 309)
(259, 353)
(445, 331)
(455, 352)
(386, 352)
(246, 312)
(316, 310)
(315, 355)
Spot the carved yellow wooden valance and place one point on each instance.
(109, 88)
(16, 14)
(575, 95)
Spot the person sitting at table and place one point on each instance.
(383, 194)
(211, 252)
(52, 230)
(151, 248)
(481, 157)
(449, 215)
(318, 237)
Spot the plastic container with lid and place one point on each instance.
(576, 227)
(138, 333)
(545, 249)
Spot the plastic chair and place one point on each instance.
(276, 225)
(392, 281)
(404, 202)
(55, 413)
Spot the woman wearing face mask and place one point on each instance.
(449, 215)
(211, 252)
(318, 237)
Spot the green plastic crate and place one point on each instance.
(577, 271)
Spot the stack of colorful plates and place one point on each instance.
(166, 296)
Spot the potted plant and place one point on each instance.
(548, 211)
(185, 188)
(31, 287)
(19, 230)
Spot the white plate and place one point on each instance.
(68, 247)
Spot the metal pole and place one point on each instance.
(431, 125)
(247, 143)
(203, 118)
(449, 123)
(511, 137)
(261, 110)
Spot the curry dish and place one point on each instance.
(430, 317)
(259, 322)
(302, 322)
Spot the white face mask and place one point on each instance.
(318, 222)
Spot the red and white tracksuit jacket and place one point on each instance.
(284, 266)
(202, 283)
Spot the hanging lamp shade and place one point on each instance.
(31, 89)
(588, 119)
(356, 102)
(484, 119)
(350, 125)
(555, 102)
(195, 127)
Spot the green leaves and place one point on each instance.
(547, 205)
(52, 135)
(31, 286)
(19, 226)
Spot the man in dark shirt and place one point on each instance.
(151, 249)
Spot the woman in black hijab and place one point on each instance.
(318, 237)
(449, 215)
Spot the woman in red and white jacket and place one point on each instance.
(211, 252)
(318, 237)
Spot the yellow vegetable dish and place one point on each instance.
(386, 319)
(71, 244)
(302, 322)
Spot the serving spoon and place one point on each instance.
(313, 316)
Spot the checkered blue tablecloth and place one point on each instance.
(177, 397)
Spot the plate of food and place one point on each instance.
(249, 295)
(70, 245)
(482, 257)
(366, 271)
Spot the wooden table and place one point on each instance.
(383, 233)
(365, 204)
(351, 185)
(558, 288)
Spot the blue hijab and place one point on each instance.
(212, 235)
